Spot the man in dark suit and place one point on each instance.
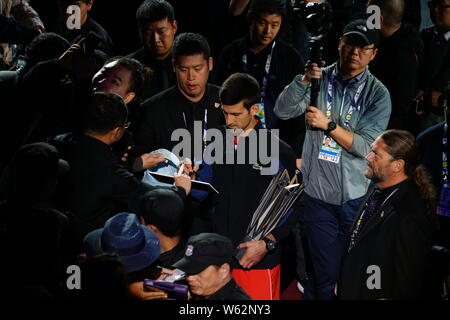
(391, 238)
(98, 185)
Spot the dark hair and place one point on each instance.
(266, 7)
(44, 47)
(137, 73)
(400, 144)
(391, 10)
(164, 209)
(105, 112)
(240, 87)
(189, 44)
(154, 10)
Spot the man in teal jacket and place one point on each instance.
(353, 109)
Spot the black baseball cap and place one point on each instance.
(359, 27)
(204, 250)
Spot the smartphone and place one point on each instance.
(174, 290)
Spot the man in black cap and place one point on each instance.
(207, 263)
(353, 108)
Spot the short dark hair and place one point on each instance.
(189, 44)
(105, 112)
(240, 87)
(154, 10)
(164, 209)
(44, 47)
(266, 7)
(137, 73)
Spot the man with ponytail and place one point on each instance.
(387, 252)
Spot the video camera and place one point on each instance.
(317, 17)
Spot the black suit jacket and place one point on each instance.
(397, 239)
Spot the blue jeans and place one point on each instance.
(327, 227)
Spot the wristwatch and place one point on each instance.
(270, 245)
(331, 127)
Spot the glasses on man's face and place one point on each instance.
(362, 49)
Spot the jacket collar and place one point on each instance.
(391, 196)
(353, 81)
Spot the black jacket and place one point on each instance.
(105, 43)
(171, 110)
(160, 76)
(436, 68)
(286, 64)
(98, 185)
(241, 187)
(398, 240)
(13, 31)
(397, 66)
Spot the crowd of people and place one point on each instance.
(87, 119)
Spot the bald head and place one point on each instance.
(391, 10)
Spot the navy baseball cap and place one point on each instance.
(204, 250)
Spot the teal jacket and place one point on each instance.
(337, 183)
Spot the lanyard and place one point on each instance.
(265, 80)
(444, 155)
(354, 101)
(358, 226)
(205, 126)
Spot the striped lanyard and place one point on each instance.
(354, 101)
(359, 223)
(265, 79)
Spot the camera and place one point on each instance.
(316, 16)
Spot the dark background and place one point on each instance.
(207, 17)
